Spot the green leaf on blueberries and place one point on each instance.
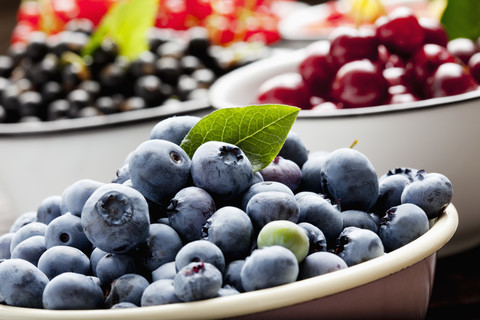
(259, 130)
(127, 23)
(460, 19)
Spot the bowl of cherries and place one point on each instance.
(399, 88)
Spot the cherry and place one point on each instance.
(450, 79)
(434, 31)
(286, 88)
(462, 48)
(474, 65)
(349, 43)
(400, 31)
(359, 83)
(423, 63)
(395, 76)
(388, 59)
(317, 68)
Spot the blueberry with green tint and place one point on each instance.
(197, 281)
(126, 288)
(60, 259)
(355, 245)
(159, 292)
(72, 291)
(21, 283)
(200, 250)
(159, 169)
(116, 218)
(269, 267)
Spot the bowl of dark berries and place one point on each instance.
(218, 221)
(74, 101)
(414, 100)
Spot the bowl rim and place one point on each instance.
(328, 284)
(103, 121)
(284, 62)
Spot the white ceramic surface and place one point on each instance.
(42, 159)
(438, 135)
(397, 285)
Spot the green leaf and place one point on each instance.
(259, 130)
(460, 19)
(127, 23)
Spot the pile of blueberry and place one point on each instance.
(169, 228)
(45, 78)
(400, 58)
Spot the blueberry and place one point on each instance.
(189, 210)
(159, 169)
(359, 219)
(67, 230)
(159, 292)
(165, 271)
(432, 192)
(95, 257)
(319, 263)
(319, 211)
(232, 275)
(23, 219)
(116, 218)
(72, 291)
(355, 245)
(316, 238)
(401, 225)
(21, 283)
(284, 171)
(311, 169)
(269, 267)
(268, 206)
(294, 149)
(112, 266)
(75, 195)
(174, 129)
(60, 259)
(49, 209)
(5, 241)
(124, 305)
(122, 174)
(286, 234)
(227, 290)
(390, 192)
(27, 231)
(197, 281)
(349, 179)
(127, 288)
(261, 187)
(161, 246)
(221, 169)
(200, 250)
(231, 230)
(30, 249)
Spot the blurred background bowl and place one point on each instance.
(438, 135)
(397, 285)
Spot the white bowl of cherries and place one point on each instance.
(400, 88)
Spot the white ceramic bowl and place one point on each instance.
(397, 285)
(42, 159)
(438, 135)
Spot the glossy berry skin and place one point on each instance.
(221, 169)
(434, 31)
(462, 48)
(401, 225)
(311, 173)
(269, 267)
(316, 238)
(355, 245)
(173, 129)
(116, 218)
(127, 288)
(294, 149)
(349, 179)
(189, 210)
(284, 171)
(60, 259)
(359, 83)
(348, 44)
(159, 169)
(432, 192)
(159, 292)
(319, 263)
(286, 88)
(450, 79)
(263, 186)
(474, 65)
(400, 31)
(197, 281)
(22, 284)
(72, 291)
(231, 230)
(200, 250)
(268, 206)
(390, 192)
(359, 219)
(67, 230)
(75, 195)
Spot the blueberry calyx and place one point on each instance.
(196, 268)
(231, 154)
(342, 241)
(115, 209)
(172, 208)
(388, 216)
(176, 158)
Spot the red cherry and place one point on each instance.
(172, 14)
(400, 31)
(317, 68)
(474, 65)
(434, 31)
(462, 48)
(388, 59)
(349, 43)
(394, 76)
(286, 88)
(450, 79)
(423, 63)
(359, 83)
